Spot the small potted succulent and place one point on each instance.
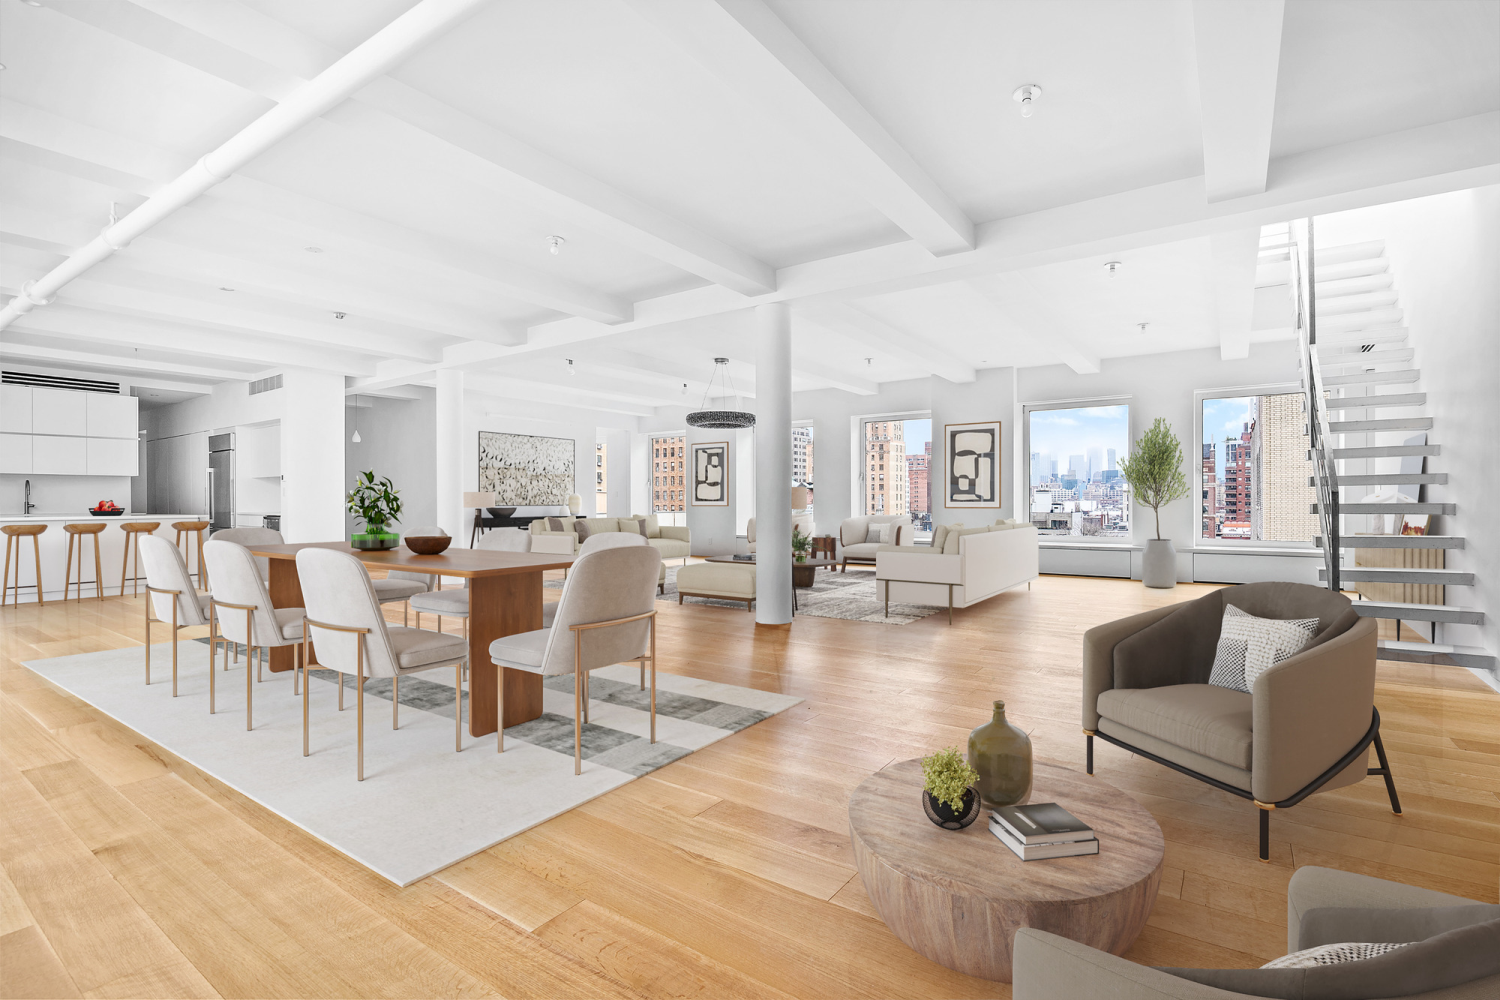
(377, 503)
(948, 795)
(801, 544)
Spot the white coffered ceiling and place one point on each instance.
(861, 159)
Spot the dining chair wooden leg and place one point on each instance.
(341, 692)
(36, 551)
(577, 706)
(458, 707)
(68, 573)
(500, 718)
(174, 637)
(306, 686)
(653, 680)
(213, 642)
(359, 709)
(98, 569)
(6, 578)
(147, 609)
(297, 667)
(250, 652)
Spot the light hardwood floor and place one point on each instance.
(126, 872)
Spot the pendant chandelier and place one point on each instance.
(720, 419)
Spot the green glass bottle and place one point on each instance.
(1001, 754)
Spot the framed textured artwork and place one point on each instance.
(972, 464)
(710, 474)
(523, 470)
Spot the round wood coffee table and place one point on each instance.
(957, 897)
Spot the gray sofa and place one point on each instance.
(1307, 726)
(1458, 957)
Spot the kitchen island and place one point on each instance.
(54, 552)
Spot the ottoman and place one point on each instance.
(724, 581)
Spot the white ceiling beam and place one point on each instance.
(1041, 318)
(834, 378)
(1238, 44)
(1235, 260)
(533, 391)
(881, 337)
(94, 359)
(431, 130)
(669, 373)
(758, 57)
(75, 323)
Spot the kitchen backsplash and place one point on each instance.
(63, 494)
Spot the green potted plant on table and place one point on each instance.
(948, 795)
(377, 503)
(1154, 472)
(801, 544)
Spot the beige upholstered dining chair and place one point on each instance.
(352, 637)
(171, 597)
(243, 613)
(251, 537)
(607, 615)
(455, 603)
(403, 585)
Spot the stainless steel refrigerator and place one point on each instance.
(221, 481)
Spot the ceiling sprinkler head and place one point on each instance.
(313, 249)
(555, 244)
(339, 315)
(571, 369)
(1143, 326)
(1027, 95)
(869, 362)
(1113, 268)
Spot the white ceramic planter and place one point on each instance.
(1159, 566)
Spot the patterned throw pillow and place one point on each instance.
(1249, 646)
(879, 533)
(1334, 954)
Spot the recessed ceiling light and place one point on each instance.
(1143, 326)
(339, 315)
(555, 244)
(313, 249)
(1026, 96)
(1113, 268)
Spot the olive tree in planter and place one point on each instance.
(1154, 472)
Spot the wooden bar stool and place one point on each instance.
(133, 530)
(13, 534)
(193, 528)
(76, 531)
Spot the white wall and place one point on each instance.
(64, 494)
(396, 438)
(312, 456)
(1445, 257)
(715, 529)
(991, 396)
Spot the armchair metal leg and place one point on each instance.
(1265, 832)
(1384, 770)
(1088, 752)
(396, 702)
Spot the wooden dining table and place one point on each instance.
(505, 597)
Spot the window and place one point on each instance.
(1254, 469)
(601, 487)
(905, 445)
(802, 460)
(1076, 488)
(668, 450)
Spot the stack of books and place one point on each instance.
(1042, 830)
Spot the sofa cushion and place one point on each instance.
(1249, 646)
(671, 548)
(1208, 720)
(653, 526)
(523, 650)
(861, 550)
(454, 602)
(718, 580)
(957, 531)
(854, 531)
(417, 647)
(938, 534)
(1330, 924)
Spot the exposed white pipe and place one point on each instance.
(377, 55)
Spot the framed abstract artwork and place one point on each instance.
(523, 470)
(710, 474)
(972, 464)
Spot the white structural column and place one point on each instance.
(449, 452)
(773, 464)
(312, 456)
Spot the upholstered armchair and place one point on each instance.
(858, 547)
(1306, 725)
(801, 522)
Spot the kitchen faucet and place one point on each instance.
(29, 504)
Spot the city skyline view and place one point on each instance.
(1076, 488)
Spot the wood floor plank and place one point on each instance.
(29, 969)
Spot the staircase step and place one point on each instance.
(1382, 574)
(1352, 285)
(1438, 654)
(1344, 358)
(1389, 479)
(1324, 256)
(1341, 403)
(1419, 612)
(1397, 541)
(1387, 451)
(1394, 508)
(1381, 424)
(1387, 334)
(1370, 378)
(1338, 305)
(1384, 316)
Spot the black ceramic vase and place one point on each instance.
(950, 819)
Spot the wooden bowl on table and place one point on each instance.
(428, 545)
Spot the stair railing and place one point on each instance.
(1320, 439)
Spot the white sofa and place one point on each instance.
(964, 566)
(801, 521)
(854, 532)
(672, 542)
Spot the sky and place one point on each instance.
(1074, 431)
(1224, 418)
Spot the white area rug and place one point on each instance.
(421, 807)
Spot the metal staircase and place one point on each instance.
(1356, 364)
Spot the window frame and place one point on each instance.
(1233, 392)
(653, 459)
(1024, 481)
(862, 481)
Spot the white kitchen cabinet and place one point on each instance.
(59, 456)
(59, 411)
(113, 457)
(15, 453)
(15, 411)
(111, 416)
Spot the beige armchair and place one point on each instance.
(855, 542)
(801, 522)
(1307, 725)
(1453, 954)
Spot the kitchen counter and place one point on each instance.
(86, 516)
(53, 544)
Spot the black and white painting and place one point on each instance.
(711, 474)
(973, 464)
(524, 470)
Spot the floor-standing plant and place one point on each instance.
(376, 503)
(1153, 470)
